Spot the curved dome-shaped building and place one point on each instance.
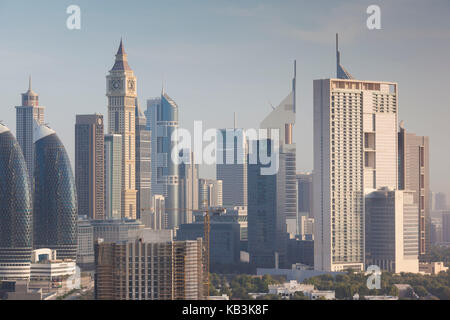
(55, 201)
(15, 210)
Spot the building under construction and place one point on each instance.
(149, 266)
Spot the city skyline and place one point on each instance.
(239, 79)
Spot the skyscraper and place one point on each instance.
(210, 193)
(89, 165)
(26, 114)
(162, 120)
(392, 226)
(143, 163)
(414, 175)
(267, 230)
(113, 176)
(231, 166)
(305, 188)
(55, 196)
(121, 92)
(282, 118)
(188, 184)
(16, 216)
(355, 151)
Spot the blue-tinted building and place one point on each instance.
(162, 120)
(15, 210)
(55, 199)
(267, 234)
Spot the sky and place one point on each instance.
(217, 57)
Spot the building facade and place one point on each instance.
(55, 200)
(149, 266)
(392, 230)
(414, 175)
(89, 165)
(188, 184)
(231, 166)
(305, 192)
(121, 88)
(143, 163)
(16, 215)
(162, 120)
(210, 193)
(113, 176)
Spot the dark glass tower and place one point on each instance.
(55, 200)
(15, 210)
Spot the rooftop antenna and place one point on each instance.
(235, 121)
(29, 82)
(270, 103)
(294, 85)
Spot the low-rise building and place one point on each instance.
(288, 289)
(432, 267)
(45, 266)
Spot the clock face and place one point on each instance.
(99, 121)
(115, 84)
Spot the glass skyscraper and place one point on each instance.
(15, 210)
(55, 199)
(162, 120)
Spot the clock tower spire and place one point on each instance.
(121, 92)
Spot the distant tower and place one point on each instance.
(162, 120)
(89, 165)
(55, 198)
(341, 73)
(143, 163)
(15, 210)
(113, 176)
(121, 93)
(25, 116)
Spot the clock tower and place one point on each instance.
(121, 93)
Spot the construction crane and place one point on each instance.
(206, 238)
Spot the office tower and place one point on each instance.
(85, 253)
(89, 165)
(210, 193)
(166, 269)
(143, 163)
(282, 118)
(188, 183)
(113, 176)
(224, 240)
(414, 175)
(55, 199)
(355, 150)
(15, 210)
(305, 227)
(231, 166)
(267, 233)
(121, 92)
(155, 218)
(446, 227)
(304, 189)
(26, 114)
(162, 120)
(440, 201)
(392, 230)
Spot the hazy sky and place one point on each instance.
(220, 57)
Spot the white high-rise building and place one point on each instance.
(121, 92)
(355, 152)
(26, 114)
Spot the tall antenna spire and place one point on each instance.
(29, 83)
(294, 86)
(341, 73)
(234, 121)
